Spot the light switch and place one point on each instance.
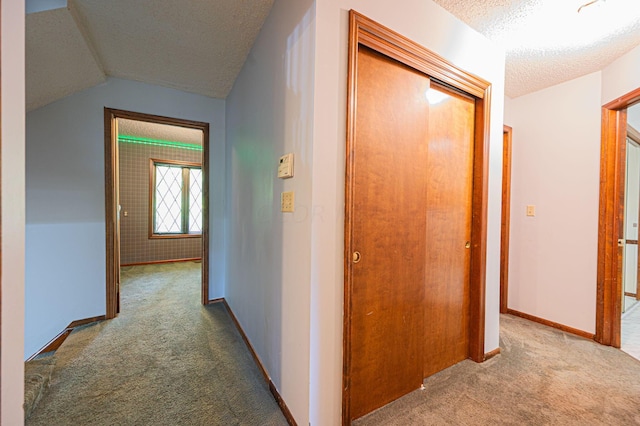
(531, 210)
(287, 202)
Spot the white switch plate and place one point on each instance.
(285, 166)
(287, 202)
(531, 210)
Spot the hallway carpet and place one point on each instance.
(542, 377)
(165, 360)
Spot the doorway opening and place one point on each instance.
(611, 229)
(397, 193)
(163, 204)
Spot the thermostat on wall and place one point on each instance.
(285, 167)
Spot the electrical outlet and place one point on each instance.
(531, 210)
(287, 202)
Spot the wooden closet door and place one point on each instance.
(448, 229)
(388, 231)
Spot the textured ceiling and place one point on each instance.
(547, 41)
(144, 129)
(197, 46)
(59, 62)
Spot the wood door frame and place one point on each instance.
(366, 32)
(507, 139)
(611, 213)
(111, 208)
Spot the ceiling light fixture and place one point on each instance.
(592, 2)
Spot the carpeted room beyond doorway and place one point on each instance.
(165, 360)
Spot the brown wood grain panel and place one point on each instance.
(449, 166)
(612, 165)
(388, 230)
(506, 218)
(111, 206)
(610, 218)
(626, 293)
(365, 32)
(553, 324)
(111, 201)
(634, 242)
(205, 212)
(477, 290)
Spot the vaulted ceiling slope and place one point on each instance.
(547, 41)
(197, 46)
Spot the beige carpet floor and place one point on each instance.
(165, 360)
(542, 377)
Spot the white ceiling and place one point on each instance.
(199, 46)
(165, 132)
(547, 41)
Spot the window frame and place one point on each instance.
(186, 166)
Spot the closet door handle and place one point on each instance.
(356, 257)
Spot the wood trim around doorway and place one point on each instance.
(364, 31)
(110, 116)
(507, 137)
(611, 213)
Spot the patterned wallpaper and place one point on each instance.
(135, 245)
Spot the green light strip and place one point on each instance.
(158, 142)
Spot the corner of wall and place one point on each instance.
(12, 92)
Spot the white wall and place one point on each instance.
(555, 166)
(621, 76)
(65, 257)
(12, 269)
(269, 113)
(431, 26)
